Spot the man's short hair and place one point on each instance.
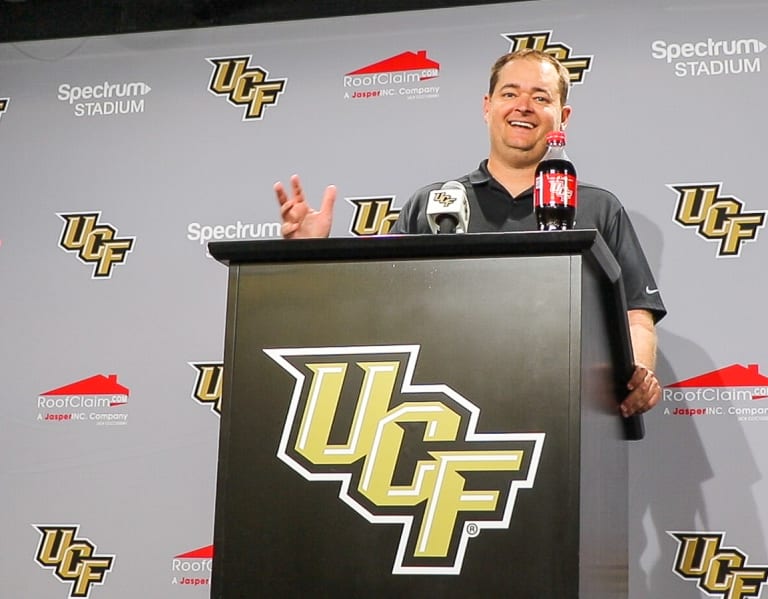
(532, 54)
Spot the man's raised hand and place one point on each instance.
(299, 219)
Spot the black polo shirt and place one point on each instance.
(493, 209)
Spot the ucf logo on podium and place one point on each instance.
(404, 454)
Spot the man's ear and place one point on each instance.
(565, 115)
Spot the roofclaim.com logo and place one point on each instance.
(464, 481)
(98, 399)
(399, 76)
(731, 391)
(193, 568)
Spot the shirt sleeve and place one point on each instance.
(639, 284)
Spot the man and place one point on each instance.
(526, 100)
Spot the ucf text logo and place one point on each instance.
(716, 217)
(93, 242)
(373, 216)
(245, 86)
(72, 559)
(540, 40)
(208, 384)
(717, 570)
(444, 198)
(404, 454)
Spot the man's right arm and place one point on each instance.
(299, 219)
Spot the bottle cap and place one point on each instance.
(556, 137)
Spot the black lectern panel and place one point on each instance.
(422, 417)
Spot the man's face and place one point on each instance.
(524, 107)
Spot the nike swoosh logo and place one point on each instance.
(650, 291)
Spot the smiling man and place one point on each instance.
(526, 99)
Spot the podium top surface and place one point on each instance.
(384, 247)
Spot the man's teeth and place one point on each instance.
(521, 124)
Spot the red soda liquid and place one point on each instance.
(554, 195)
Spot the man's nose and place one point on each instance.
(522, 103)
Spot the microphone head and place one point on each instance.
(448, 207)
(454, 185)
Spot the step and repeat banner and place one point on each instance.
(121, 157)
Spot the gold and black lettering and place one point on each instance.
(577, 66)
(72, 559)
(373, 216)
(356, 416)
(94, 243)
(716, 217)
(208, 384)
(245, 86)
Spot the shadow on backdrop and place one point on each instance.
(669, 468)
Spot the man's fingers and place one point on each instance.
(639, 376)
(645, 394)
(285, 209)
(298, 192)
(329, 198)
(280, 193)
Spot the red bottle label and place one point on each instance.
(556, 189)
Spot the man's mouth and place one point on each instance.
(522, 124)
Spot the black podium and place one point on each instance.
(423, 416)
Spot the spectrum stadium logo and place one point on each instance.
(193, 568)
(373, 215)
(464, 479)
(718, 571)
(710, 57)
(208, 384)
(71, 558)
(577, 66)
(95, 243)
(716, 217)
(99, 400)
(245, 86)
(202, 233)
(406, 75)
(104, 99)
(735, 390)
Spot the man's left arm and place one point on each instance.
(644, 388)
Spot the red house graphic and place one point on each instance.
(200, 553)
(94, 385)
(735, 375)
(407, 61)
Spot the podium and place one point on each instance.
(423, 416)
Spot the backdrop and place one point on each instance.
(122, 156)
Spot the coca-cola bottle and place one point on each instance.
(554, 194)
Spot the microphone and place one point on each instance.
(448, 209)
